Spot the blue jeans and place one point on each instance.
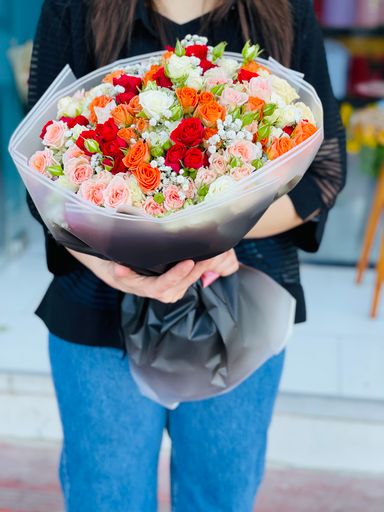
(112, 437)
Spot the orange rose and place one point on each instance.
(209, 132)
(205, 97)
(210, 113)
(166, 55)
(255, 67)
(279, 147)
(147, 177)
(188, 98)
(121, 115)
(254, 103)
(137, 154)
(141, 124)
(115, 74)
(99, 101)
(127, 134)
(134, 105)
(148, 77)
(303, 131)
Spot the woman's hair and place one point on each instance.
(111, 24)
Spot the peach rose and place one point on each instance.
(134, 105)
(141, 124)
(205, 176)
(188, 98)
(260, 87)
(55, 134)
(210, 113)
(279, 147)
(78, 170)
(40, 160)
(218, 163)
(121, 115)
(238, 173)
(244, 149)
(153, 208)
(231, 97)
(191, 191)
(172, 199)
(303, 131)
(99, 102)
(93, 190)
(73, 152)
(117, 193)
(114, 74)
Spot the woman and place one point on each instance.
(112, 434)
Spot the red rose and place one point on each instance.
(169, 48)
(245, 75)
(197, 50)
(130, 83)
(189, 132)
(288, 130)
(206, 64)
(194, 158)
(73, 121)
(44, 129)
(86, 134)
(124, 97)
(118, 165)
(161, 79)
(113, 148)
(174, 156)
(108, 130)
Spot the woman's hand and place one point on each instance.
(169, 287)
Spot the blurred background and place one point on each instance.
(326, 447)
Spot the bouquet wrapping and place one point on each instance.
(164, 157)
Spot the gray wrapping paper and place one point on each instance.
(208, 342)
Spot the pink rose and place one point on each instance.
(218, 163)
(172, 200)
(117, 193)
(55, 134)
(153, 208)
(191, 191)
(78, 170)
(93, 190)
(231, 97)
(244, 149)
(215, 76)
(238, 173)
(73, 152)
(253, 127)
(40, 160)
(205, 176)
(260, 87)
(106, 176)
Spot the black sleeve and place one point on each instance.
(323, 181)
(51, 52)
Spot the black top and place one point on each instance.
(81, 308)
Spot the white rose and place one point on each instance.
(69, 107)
(230, 66)
(305, 112)
(104, 113)
(194, 80)
(220, 186)
(276, 133)
(179, 66)
(104, 89)
(155, 102)
(77, 129)
(64, 182)
(137, 195)
(287, 116)
(283, 89)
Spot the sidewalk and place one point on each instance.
(28, 483)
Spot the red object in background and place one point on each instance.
(363, 69)
(318, 6)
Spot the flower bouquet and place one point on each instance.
(169, 156)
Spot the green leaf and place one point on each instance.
(157, 151)
(250, 52)
(167, 145)
(179, 50)
(203, 191)
(55, 170)
(249, 117)
(218, 50)
(142, 114)
(190, 173)
(263, 131)
(177, 113)
(217, 89)
(235, 162)
(159, 198)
